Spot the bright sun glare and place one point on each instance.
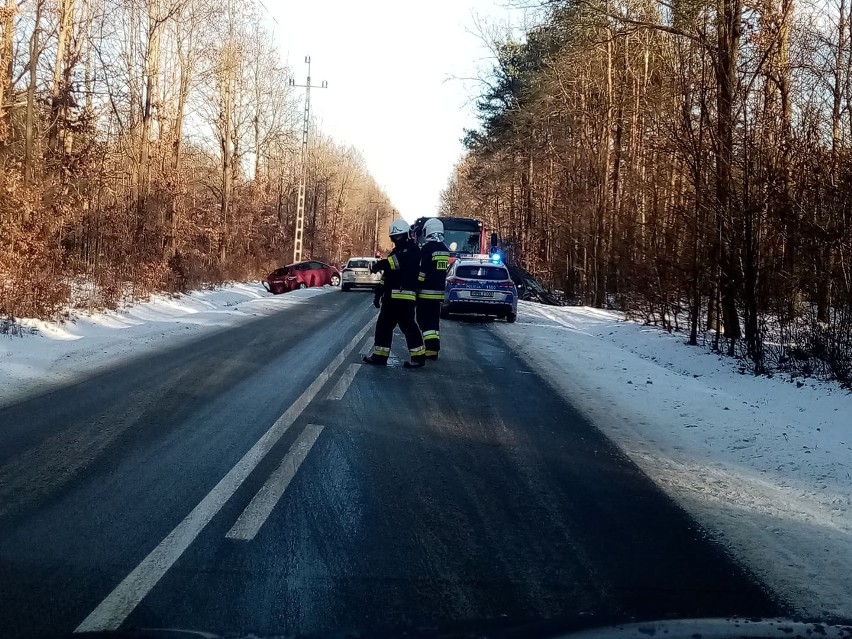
(392, 94)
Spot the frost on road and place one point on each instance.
(52, 353)
(763, 464)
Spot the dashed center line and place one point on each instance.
(344, 382)
(118, 605)
(257, 512)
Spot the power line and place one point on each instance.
(267, 11)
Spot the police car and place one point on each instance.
(480, 285)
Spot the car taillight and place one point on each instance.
(454, 281)
(509, 284)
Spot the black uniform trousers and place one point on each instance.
(397, 312)
(429, 319)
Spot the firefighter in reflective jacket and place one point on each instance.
(434, 261)
(397, 298)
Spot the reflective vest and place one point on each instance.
(434, 262)
(400, 270)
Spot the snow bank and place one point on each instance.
(60, 352)
(765, 465)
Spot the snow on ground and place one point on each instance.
(764, 465)
(60, 352)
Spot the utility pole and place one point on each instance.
(376, 235)
(300, 206)
(376, 231)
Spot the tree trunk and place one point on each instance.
(29, 126)
(227, 173)
(59, 90)
(600, 247)
(226, 140)
(152, 70)
(824, 288)
(825, 274)
(837, 88)
(258, 153)
(7, 64)
(88, 77)
(728, 29)
(699, 217)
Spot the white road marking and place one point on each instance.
(118, 605)
(257, 512)
(366, 346)
(343, 383)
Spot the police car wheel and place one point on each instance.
(444, 313)
(511, 317)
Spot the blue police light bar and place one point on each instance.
(496, 258)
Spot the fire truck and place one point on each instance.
(468, 237)
(463, 236)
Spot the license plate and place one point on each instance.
(482, 293)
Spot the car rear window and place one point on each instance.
(482, 273)
(358, 264)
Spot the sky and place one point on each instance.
(389, 64)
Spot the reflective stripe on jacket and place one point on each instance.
(434, 262)
(400, 270)
(399, 294)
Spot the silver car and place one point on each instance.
(357, 273)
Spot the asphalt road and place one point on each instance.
(259, 480)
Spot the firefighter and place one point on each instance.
(397, 299)
(434, 261)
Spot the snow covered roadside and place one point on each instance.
(60, 352)
(765, 466)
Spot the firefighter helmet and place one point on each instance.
(433, 226)
(399, 227)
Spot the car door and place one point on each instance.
(451, 273)
(303, 274)
(319, 274)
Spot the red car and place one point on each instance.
(301, 275)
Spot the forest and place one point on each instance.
(685, 161)
(154, 145)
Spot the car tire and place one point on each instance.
(345, 288)
(302, 285)
(445, 312)
(335, 280)
(511, 317)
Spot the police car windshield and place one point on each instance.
(462, 241)
(474, 272)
